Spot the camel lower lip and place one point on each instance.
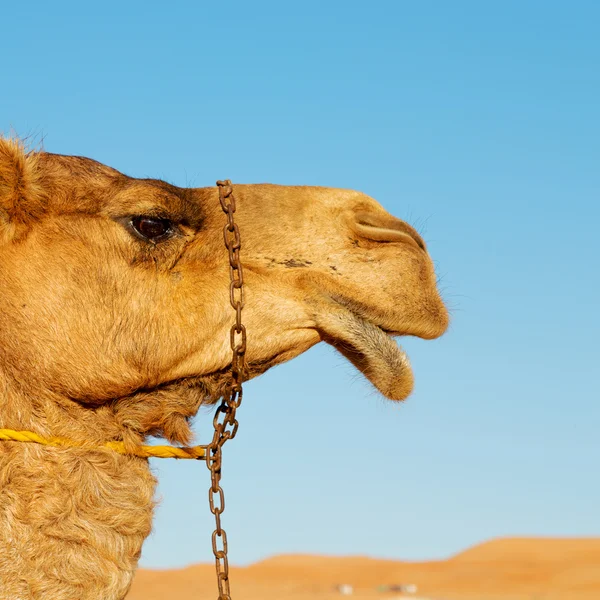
(369, 348)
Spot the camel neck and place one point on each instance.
(73, 520)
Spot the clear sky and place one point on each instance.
(479, 122)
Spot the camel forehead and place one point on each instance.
(156, 198)
(79, 184)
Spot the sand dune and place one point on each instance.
(503, 569)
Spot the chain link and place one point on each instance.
(225, 423)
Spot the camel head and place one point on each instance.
(115, 290)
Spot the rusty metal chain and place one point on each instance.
(225, 423)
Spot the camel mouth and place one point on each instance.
(370, 348)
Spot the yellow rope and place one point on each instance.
(141, 451)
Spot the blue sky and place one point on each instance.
(477, 122)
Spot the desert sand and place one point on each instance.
(502, 569)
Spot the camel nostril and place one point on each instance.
(382, 227)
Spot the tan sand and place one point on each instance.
(503, 569)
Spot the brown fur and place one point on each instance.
(106, 336)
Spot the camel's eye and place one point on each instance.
(153, 229)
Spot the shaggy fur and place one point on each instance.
(107, 335)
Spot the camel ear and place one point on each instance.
(21, 193)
